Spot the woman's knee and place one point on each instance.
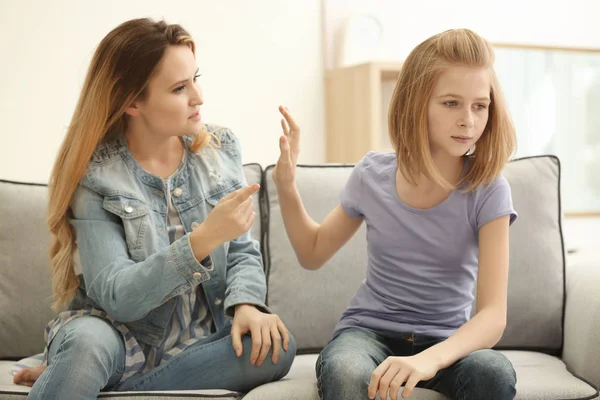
(287, 357)
(88, 340)
(85, 356)
(268, 371)
(284, 360)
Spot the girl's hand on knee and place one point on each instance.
(396, 371)
(28, 376)
(265, 329)
(284, 173)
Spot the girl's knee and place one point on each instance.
(492, 372)
(491, 362)
(343, 373)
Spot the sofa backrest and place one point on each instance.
(311, 302)
(25, 283)
(25, 286)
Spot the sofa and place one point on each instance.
(553, 330)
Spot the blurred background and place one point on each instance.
(333, 63)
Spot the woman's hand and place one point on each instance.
(265, 329)
(284, 173)
(232, 216)
(395, 371)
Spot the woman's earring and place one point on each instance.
(471, 151)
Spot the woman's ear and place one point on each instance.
(133, 110)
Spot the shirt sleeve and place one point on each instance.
(351, 194)
(496, 202)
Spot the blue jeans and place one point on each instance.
(87, 356)
(345, 366)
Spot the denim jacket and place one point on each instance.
(130, 270)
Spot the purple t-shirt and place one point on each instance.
(422, 264)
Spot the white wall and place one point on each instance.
(253, 56)
(572, 23)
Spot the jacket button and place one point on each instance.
(218, 301)
(197, 275)
(195, 224)
(128, 209)
(177, 192)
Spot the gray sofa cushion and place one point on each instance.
(536, 289)
(311, 302)
(10, 391)
(539, 376)
(25, 284)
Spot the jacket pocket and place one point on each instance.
(134, 216)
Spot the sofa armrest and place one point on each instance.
(581, 348)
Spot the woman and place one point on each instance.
(150, 212)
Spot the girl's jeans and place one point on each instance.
(345, 366)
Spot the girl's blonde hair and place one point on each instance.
(407, 117)
(122, 65)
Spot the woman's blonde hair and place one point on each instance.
(122, 65)
(407, 117)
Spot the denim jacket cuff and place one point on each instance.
(242, 297)
(187, 265)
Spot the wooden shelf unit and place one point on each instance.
(357, 100)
